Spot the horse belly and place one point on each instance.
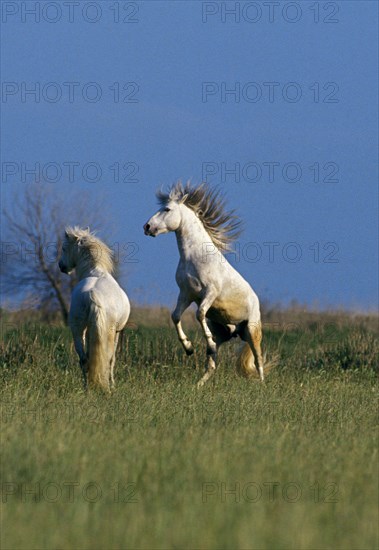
(228, 311)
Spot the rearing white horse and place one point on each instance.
(99, 307)
(227, 305)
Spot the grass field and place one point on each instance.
(289, 464)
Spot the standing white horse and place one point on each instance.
(227, 305)
(99, 307)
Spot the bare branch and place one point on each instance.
(35, 221)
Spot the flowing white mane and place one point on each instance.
(93, 251)
(209, 205)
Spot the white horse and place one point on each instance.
(99, 307)
(227, 305)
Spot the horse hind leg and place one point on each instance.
(113, 359)
(220, 334)
(79, 343)
(210, 366)
(210, 369)
(110, 357)
(253, 336)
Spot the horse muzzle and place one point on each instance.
(148, 231)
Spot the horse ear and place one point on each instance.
(184, 198)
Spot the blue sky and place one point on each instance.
(304, 107)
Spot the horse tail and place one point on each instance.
(246, 363)
(99, 351)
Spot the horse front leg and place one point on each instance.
(182, 304)
(210, 367)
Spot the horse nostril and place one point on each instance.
(146, 226)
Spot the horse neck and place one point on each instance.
(87, 267)
(191, 236)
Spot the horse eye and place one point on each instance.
(167, 209)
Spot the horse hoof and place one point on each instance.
(189, 351)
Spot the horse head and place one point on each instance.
(168, 218)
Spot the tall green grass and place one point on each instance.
(291, 463)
